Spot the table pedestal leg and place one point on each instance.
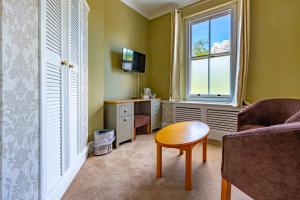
(188, 170)
(159, 159)
(204, 150)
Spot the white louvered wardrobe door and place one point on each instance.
(84, 77)
(74, 78)
(52, 94)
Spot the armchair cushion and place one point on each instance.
(249, 127)
(294, 118)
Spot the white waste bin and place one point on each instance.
(103, 140)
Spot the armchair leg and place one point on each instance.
(226, 190)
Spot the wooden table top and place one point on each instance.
(182, 134)
(120, 101)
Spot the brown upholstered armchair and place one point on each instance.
(263, 158)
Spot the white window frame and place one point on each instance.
(215, 13)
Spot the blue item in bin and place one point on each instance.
(103, 137)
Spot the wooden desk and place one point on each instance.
(120, 101)
(183, 136)
(119, 115)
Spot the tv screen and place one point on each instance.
(127, 60)
(133, 61)
(139, 61)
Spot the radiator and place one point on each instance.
(220, 119)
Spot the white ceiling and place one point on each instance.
(155, 8)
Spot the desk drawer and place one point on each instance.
(155, 105)
(156, 119)
(156, 112)
(125, 110)
(156, 124)
(125, 128)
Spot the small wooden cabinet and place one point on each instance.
(119, 115)
(155, 114)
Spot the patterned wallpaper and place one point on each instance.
(20, 92)
(0, 99)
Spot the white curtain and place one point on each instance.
(174, 88)
(243, 51)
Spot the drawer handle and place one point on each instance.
(126, 110)
(125, 119)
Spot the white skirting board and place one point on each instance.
(63, 185)
(91, 147)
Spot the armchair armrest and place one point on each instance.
(268, 112)
(253, 114)
(264, 162)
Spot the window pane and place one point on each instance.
(220, 75)
(199, 77)
(200, 37)
(220, 34)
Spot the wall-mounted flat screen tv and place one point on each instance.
(133, 61)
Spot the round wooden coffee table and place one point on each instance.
(183, 136)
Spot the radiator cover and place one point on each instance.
(221, 119)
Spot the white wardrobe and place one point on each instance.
(64, 39)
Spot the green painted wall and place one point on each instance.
(274, 61)
(112, 25)
(274, 67)
(123, 28)
(159, 65)
(96, 66)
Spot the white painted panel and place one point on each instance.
(73, 115)
(222, 120)
(52, 94)
(74, 78)
(74, 31)
(61, 39)
(84, 77)
(187, 114)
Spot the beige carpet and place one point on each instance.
(129, 173)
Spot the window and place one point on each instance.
(212, 56)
